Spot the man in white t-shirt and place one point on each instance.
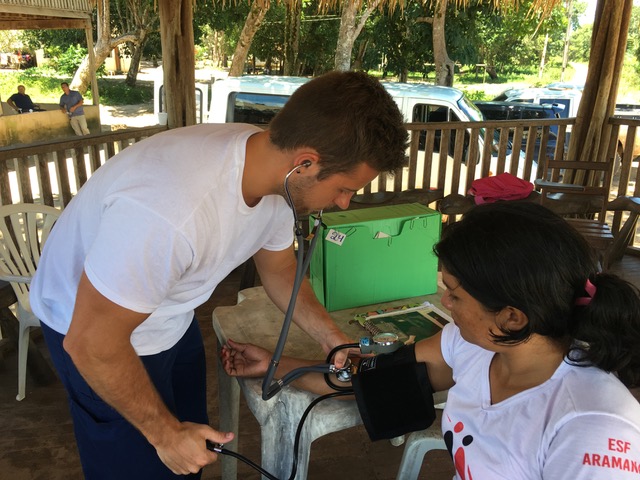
(152, 233)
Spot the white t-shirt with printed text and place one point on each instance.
(581, 424)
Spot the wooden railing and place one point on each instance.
(52, 172)
(448, 156)
(443, 156)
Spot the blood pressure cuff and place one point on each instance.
(393, 394)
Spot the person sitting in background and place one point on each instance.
(537, 358)
(22, 103)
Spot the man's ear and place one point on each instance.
(512, 319)
(308, 160)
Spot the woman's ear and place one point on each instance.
(512, 319)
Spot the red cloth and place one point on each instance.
(499, 187)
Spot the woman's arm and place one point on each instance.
(248, 360)
(429, 351)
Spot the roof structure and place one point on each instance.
(52, 14)
(45, 14)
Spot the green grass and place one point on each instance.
(43, 86)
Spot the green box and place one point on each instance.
(386, 254)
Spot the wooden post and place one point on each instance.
(178, 61)
(590, 135)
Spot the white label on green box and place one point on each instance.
(336, 237)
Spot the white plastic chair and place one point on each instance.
(24, 228)
(417, 444)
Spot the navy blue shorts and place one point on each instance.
(110, 447)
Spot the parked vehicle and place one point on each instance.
(570, 95)
(256, 99)
(632, 112)
(569, 98)
(498, 110)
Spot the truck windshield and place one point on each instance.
(470, 109)
(255, 108)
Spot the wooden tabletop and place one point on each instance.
(255, 319)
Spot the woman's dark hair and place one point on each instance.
(348, 118)
(522, 255)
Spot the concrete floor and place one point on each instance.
(37, 441)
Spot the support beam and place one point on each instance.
(178, 61)
(590, 135)
(42, 24)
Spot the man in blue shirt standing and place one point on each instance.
(71, 103)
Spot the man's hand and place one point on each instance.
(333, 339)
(185, 451)
(244, 359)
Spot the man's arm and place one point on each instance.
(99, 343)
(277, 272)
(77, 104)
(12, 104)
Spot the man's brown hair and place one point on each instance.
(348, 118)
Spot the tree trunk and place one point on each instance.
(345, 37)
(591, 132)
(136, 57)
(178, 61)
(350, 28)
(443, 64)
(251, 26)
(567, 40)
(292, 35)
(543, 57)
(102, 48)
(362, 49)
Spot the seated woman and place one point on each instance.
(538, 358)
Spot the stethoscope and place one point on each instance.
(269, 387)
(377, 344)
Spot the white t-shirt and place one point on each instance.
(581, 424)
(156, 229)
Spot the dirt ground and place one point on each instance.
(126, 116)
(141, 115)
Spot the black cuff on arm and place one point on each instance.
(393, 394)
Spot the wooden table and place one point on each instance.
(256, 320)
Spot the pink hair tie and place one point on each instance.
(590, 288)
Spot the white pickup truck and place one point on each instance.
(257, 98)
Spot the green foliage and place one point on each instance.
(116, 92)
(43, 87)
(69, 61)
(40, 86)
(54, 42)
(319, 36)
(580, 44)
(476, 95)
(9, 40)
(268, 43)
(398, 44)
